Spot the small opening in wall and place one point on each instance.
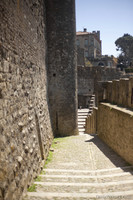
(54, 75)
(56, 121)
(104, 94)
(132, 97)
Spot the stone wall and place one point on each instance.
(91, 122)
(25, 128)
(62, 71)
(118, 92)
(89, 78)
(113, 121)
(115, 128)
(38, 86)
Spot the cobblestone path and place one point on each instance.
(85, 168)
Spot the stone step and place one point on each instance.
(86, 178)
(90, 184)
(81, 123)
(85, 114)
(83, 110)
(81, 126)
(84, 196)
(81, 120)
(84, 188)
(82, 117)
(82, 129)
(81, 133)
(107, 171)
(82, 114)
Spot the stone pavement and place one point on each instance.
(85, 168)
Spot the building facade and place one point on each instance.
(90, 43)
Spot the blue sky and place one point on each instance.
(112, 17)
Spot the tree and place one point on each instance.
(125, 45)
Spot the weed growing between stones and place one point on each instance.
(49, 158)
(38, 179)
(55, 144)
(32, 188)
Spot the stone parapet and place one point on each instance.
(118, 92)
(115, 128)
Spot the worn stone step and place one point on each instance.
(86, 178)
(90, 184)
(91, 172)
(118, 175)
(61, 187)
(84, 196)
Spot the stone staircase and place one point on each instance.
(82, 115)
(84, 168)
(91, 103)
(58, 184)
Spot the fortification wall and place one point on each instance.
(37, 42)
(25, 128)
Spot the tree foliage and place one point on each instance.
(125, 45)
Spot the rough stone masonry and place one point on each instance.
(37, 54)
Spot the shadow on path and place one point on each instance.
(117, 160)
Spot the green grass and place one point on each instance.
(43, 172)
(49, 158)
(55, 144)
(38, 179)
(32, 188)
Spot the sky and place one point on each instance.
(113, 18)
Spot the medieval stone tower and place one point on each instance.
(62, 85)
